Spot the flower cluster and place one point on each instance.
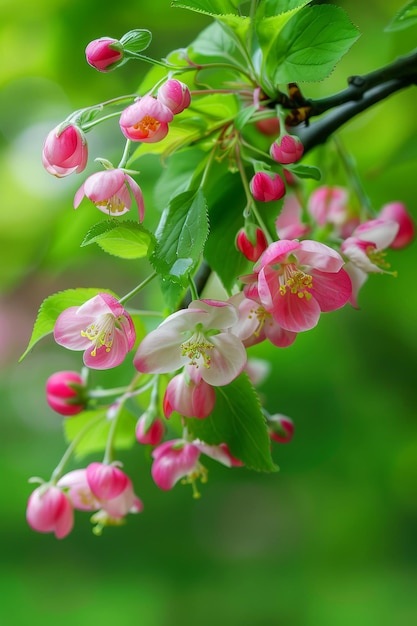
(294, 251)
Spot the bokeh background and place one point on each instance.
(330, 539)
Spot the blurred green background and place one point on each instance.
(330, 539)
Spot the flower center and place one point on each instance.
(147, 125)
(100, 332)
(296, 281)
(113, 204)
(262, 316)
(197, 348)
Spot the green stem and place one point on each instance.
(136, 290)
(125, 155)
(193, 289)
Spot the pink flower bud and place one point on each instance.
(174, 95)
(65, 151)
(65, 393)
(281, 428)
(172, 461)
(103, 54)
(153, 434)
(189, 398)
(267, 187)
(50, 511)
(252, 251)
(397, 211)
(288, 149)
(106, 481)
(269, 127)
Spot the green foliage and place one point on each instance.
(136, 40)
(53, 306)
(126, 239)
(237, 419)
(209, 7)
(181, 237)
(310, 44)
(404, 18)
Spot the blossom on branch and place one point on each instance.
(111, 191)
(146, 120)
(103, 54)
(49, 510)
(198, 338)
(64, 393)
(175, 95)
(101, 327)
(65, 151)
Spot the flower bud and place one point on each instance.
(288, 149)
(152, 434)
(65, 393)
(397, 211)
(267, 187)
(189, 398)
(50, 511)
(104, 54)
(281, 428)
(65, 151)
(252, 251)
(174, 95)
(106, 481)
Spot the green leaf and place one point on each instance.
(53, 306)
(181, 237)
(217, 44)
(95, 437)
(271, 18)
(305, 171)
(404, 18)
(136, 40)
(244, 115)
(310, 44)
(238, 421)
(278, 7)
(209, 7)
(125, 239)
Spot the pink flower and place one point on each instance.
(110, 191)
(177, 459)
(287, 149)
(252, 248)
(330, 205)
(267, 187)
(397, 211)
(188, 398)
(106, 481)
(104, 53)
(146, 120)
(151, 434)
(288, 222)
(197, 338)
(50, 511)
(174, 95)
(64, 393)
(364, 251)
(65, 151)
(281, 428)
(297, 280)
(101, 327)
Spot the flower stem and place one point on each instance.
(139, 287)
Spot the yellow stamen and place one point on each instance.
(196, 349)
(296, 281)
(100, 332)
(114, 205)
(148, 125)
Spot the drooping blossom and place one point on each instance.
(365, 251)
(175, 95)
(178, 459)
(289, 224)
(149, 433)
(280, 427)
(197, 338)
(146, 120)
(256, 324)
(267, 187)
(111, 191)
(65, 151)
(297, 280)
(106, 481)
(329, 205)
(188, 398)
(65, 393)
(397, 211)
(103, 54)
(101, 327)
(49, 510)
(287, 149)
(251, 248)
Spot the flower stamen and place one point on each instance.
(297, 281)
(196, 349)
(101, 332)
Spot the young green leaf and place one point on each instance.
(304, 171)
(136, 40)
(404, 18)
(209, 7)
(310, 44)
(53, 306)
(125, 239)
(181, 237)
(238, 421)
